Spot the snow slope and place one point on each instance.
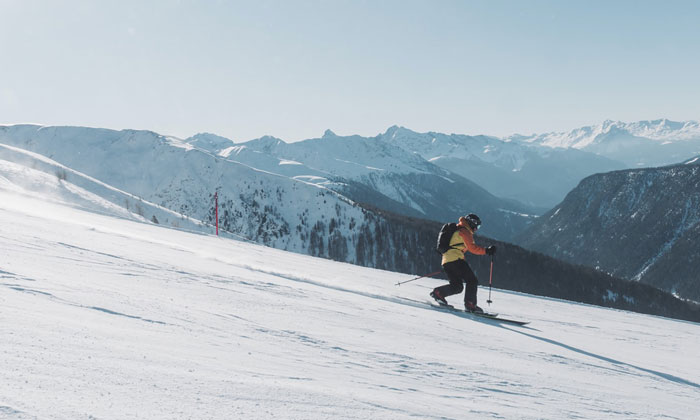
(35, 174)
(107, 317)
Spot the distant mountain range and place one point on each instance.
(638, 144)
(640, 224)
(379, 172)
(537, 170)
(510, 169)
(438, 176)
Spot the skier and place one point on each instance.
(456, 267)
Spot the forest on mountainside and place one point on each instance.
(517, 269)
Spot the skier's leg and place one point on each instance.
(471, 283)
(453, 273)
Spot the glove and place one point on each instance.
(491, 249)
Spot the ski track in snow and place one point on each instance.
(103, 317)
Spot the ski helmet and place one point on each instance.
(473, 221)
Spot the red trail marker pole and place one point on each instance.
(216, 200)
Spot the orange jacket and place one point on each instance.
(462, 241)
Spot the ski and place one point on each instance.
(485, 315)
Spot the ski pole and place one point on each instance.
(419, 277)
(490, 279)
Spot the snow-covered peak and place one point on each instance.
(347, 156)
(664, 129)
(434, 147)
(397, 131)
(391, 131)
(265, 143)
(577, 138)
(638, 144)
(210, 142)
(585, 137)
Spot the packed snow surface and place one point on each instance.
(103, 317)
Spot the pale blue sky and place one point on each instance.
(295, 68)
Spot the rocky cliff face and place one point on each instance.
(636, 224)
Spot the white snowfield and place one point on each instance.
(103, 317)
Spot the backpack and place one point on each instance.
(444, 237)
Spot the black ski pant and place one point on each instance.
(459, 272)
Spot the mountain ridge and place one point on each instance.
(638, 224)
(642, 143)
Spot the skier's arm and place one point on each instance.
(469, 243)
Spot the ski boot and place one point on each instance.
(438, 298)
(471, 307)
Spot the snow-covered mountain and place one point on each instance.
(532, 174)
(105, 317)
(640, 224)
(637, 144)
(415, 173)
(375, 171)
(183, 175)
(161, 172)
(21, 170)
